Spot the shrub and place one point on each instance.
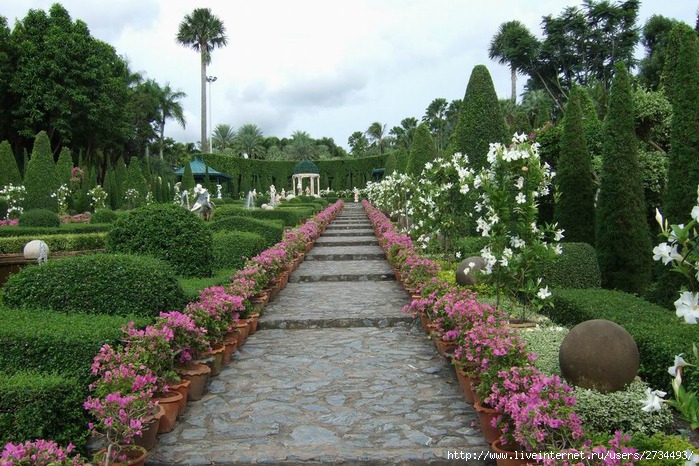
(167, 232)
(64, 167)
(470, 245)
(661, 443)
(233, 248)
(40, 178)
(56, 243)
(270, 230)
(290, 217)
(39, 218)
(48, 406)
(545, 342)
(3, 208)
(104, 216)
(576, 268)
(9, 172)
(422, 151)
(657, 333)
(115, 284)
(64, 229)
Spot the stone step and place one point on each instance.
(315, 305)
(349, 223)
(326, 241)
(342, 251)
(352, 396)
(343, 232)
(335, 271)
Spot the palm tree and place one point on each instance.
(358, 143)
(403, 134)
(249, 140)
(303, 147)
(203, 32)
(436, 119)
(376, 134)
(513, 45)
(168, 107)
(223, 137)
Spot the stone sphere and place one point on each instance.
(470, 278)
(32, 250)
(599, 354)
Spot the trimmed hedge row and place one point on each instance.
(233, 248)
(167, 232)
(66, 228)
(48, 406)
(39, 218)
(577, 267)
(56, 243)
(657, 332)
(114, 284)
(290, 217)
(271, 230)
(43, 340)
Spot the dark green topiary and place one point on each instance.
(48, 406)
(64, 166)
(233, 248)
(55, 242)
(135, 181)
(63, 229)
(683, 170)
(39, 218)
(422, 151)
(270, 230)
(575, 209)
(187, 177)
(104, 216)
(167, 232)
(623, 239)
(9, 172)
(577, 267)
(391, 164)
(40, 178)
(120, 179)
(290, 216)
(480, 119)
(113, 284)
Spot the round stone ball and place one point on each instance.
(600, 355)
(32, 250)
(474, 265)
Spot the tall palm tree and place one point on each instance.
(203, 32)
(404, 133)
(513, 45)
(358, 143)
(249, 140)
(436, 119)
(169, 107)
(223, 137)
(302, 147)
(376, 134)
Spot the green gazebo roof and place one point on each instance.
(199, 169)
(305, 166)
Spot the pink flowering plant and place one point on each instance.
(188, 338)
(537, 410)
(216, 311)
(616, 452)
(152, 347)
(39, 453)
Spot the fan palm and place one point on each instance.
(223, 137)
(249, 140)
(169, 107)
(203, 32)
(376, 134)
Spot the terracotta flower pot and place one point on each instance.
(465, 384)
(136, 456)
(252, 322)
(182, 387)
(242, 332)
(486, 416)
(149, 431)
(229, 349)
(170, 402)
(217, 355)
(198, 375)
(506, 457)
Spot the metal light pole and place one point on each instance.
(210, 79)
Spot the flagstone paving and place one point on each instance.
(336, 374)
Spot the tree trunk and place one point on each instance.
(513, 77)
(204, 141)
(162, 136)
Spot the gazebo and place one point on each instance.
(199, 169)
(303, 170)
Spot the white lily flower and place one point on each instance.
(695, 213)
(544, 293)
(666, 253)
(559, 235)
(687, 307)
(679, 362)
(653, 400)
(521, 198)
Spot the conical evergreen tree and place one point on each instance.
(422, 151)
(120, 178)
(683, 168)
(575, 209)
(110, 187)
(64, 166)
(481, 121)
(390, 164)
(623, 240)
(402, 156)
(9, 172)
(40, 180)
(187, 177)
(25, 162)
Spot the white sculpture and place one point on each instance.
(218, 191)
(283, 193)
(203, 205)
(36, 249)
(356, 194)
(308, 191)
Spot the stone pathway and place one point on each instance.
(336, 374)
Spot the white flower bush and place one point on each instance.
(391, 194)
(61, 196)
(98, 197)
(15, 195)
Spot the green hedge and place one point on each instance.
(470, 245)
(48, 406)
(114, 284)
(657, 332)
(270, 230)
(56, 243)
(64, 229)
(233, 248)
(314, 206)
(39, 218)
(104, 216)
(577, 267)
(290, 217)
(167, 232)
(45, 340)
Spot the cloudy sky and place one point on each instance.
(328, 67)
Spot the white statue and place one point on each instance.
(283, 193)
(356, 194)
(272, 192)
(300, 186)
(203, 205)
(184, 198)
(308, 191)
(218, 191)
(254, 193)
